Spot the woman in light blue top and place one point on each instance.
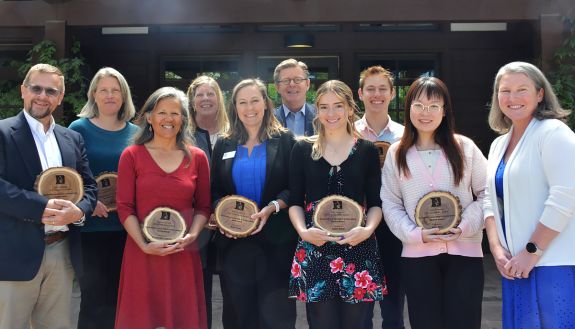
(104, 124)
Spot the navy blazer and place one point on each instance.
(278, 229)
(309, 116)
(21, 208)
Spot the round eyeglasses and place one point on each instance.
(432, 108)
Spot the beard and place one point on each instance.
(39, 114)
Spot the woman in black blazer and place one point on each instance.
(252, 160)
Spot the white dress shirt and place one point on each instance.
(48, 151)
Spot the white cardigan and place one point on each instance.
(538, 187)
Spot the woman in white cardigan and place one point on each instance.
(442, 273)
(530, 200)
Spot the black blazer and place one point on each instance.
(310, 112)
(278, 229)
(22, 243)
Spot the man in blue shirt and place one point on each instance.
(291, 78)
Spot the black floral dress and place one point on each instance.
(351, 274)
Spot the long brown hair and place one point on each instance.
(270, 125)
(444, 135)
(184, 138)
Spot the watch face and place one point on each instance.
(531, 248)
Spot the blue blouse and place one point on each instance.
(249, 172)
(499, 190)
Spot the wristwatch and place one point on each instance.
(532, 248)
(276, 205)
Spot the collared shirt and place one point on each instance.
(296, 121)
(391, 133)
(48, 151)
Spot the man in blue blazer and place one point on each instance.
(291, 78)
(40, 246)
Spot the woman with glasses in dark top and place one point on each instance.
(442, 272)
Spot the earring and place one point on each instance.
(150, 128)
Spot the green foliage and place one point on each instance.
(563, 77)
(44, 52)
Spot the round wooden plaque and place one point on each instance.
(60, 183)
(438, 209)
(382, 148)
(164, 225)
(337, 215)
(107, 189)
(233, 216)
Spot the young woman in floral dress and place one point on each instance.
(337, 276)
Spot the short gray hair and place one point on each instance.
(45, 68)
(90, 109)
(289, 63)
(548, 108)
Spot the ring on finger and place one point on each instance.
(328, 233)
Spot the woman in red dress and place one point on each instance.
(160, 283)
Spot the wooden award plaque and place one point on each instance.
(438, 209)
(337, 215)
(164, 225)
(382, 148)
(107, 189)
(60, 183)
(233, 216)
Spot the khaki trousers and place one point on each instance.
(45, 301)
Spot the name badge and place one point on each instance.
(229, 155)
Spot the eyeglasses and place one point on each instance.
(37, 90)
(297, 81)
(419, 108)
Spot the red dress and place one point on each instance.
(161, 291)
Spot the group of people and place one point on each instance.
(186, 151)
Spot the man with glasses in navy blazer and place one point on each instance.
(291, 78)
(40, 252)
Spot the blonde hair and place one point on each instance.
(221, 116)
(90, 109)
(342, 91)
(270, 125)
(548, 108)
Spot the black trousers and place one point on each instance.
(391, 306)
(443, 291)
(102, 254)
(255, 279)
(336, 314)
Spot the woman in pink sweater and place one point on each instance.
(442, 273)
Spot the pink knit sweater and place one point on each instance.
(400, 195)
